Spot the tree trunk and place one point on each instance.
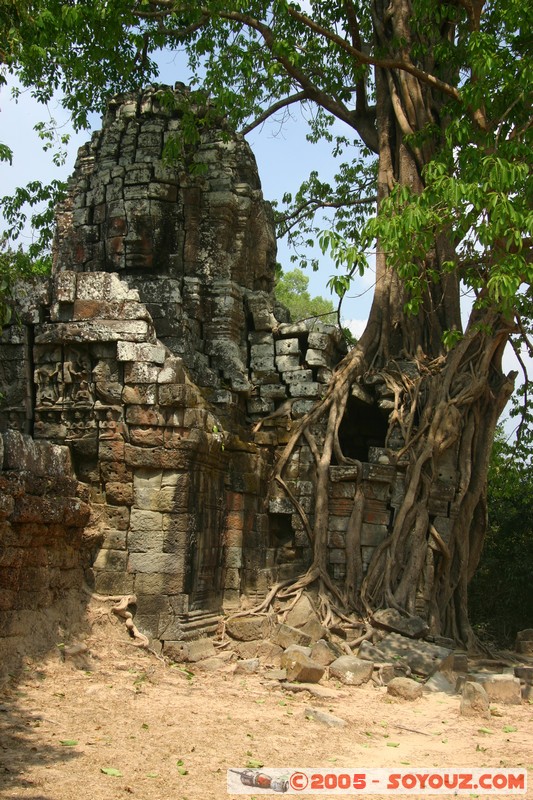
(447, 404)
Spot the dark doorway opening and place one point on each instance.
(363, 426)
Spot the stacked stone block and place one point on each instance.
(43, 513)
(189, 230)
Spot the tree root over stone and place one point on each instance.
(445, 412)
(121, 609)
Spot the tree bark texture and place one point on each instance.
(446, 404)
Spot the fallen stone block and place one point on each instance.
(247, 666)
(391, 620)
(474, 701)
(501, 688)
(405, 688)
(213, 664)
(351, 670)
(524, 673)
(200, 649)
(439, 682)
(301, 668)
(324, 717)
(248, 628)
(524, 641)
(284, 635)
(422, 658)
(324, 652)
(291, 650)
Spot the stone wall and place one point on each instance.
(156, 354)
(43, 552)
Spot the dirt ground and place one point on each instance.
(172, 732)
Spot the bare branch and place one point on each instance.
(288, 101)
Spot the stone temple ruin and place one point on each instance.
(148, 385)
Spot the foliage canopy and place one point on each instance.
(259, 59)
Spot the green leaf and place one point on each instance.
(254, 763)
(510, 728)
(114, 773)
(485, 730)
(393, 744)
(68, 742)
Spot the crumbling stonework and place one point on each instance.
(154, 353)
(43, 551)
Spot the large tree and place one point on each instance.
(429, 104)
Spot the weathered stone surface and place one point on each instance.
(324, 652)
(285, 635)
(324, 717)
(291, 650)
(405, 688)
(423, 658)
(351, 670)
(474, 701)
(501, 688)
(299, 667)
(248, 628)
(391, 620)
(247, 666)
(304, 616)
(524, 641)
(524, 673)
(439, 682)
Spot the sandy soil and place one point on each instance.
(172, 733)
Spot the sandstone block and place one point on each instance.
(301, 668)
(474, 701)
(109, 582)
(391, 620)
(524, 673)
(286, 347)
(141, 394)
(155, 562)
(423, 658)
(405, 688)
(111, 561)
(285, 635)
(524, 641)
(351, 670)
(289, 652)
(287, 363)
(132, 351)
(501, 688)
(324, 717)
(140, 372)
(324, 652)
(248, 628)
(247, 666)
(172, 371)
(114, 540)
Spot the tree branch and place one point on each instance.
(293, 98)
(383, 63)
(313, 204)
